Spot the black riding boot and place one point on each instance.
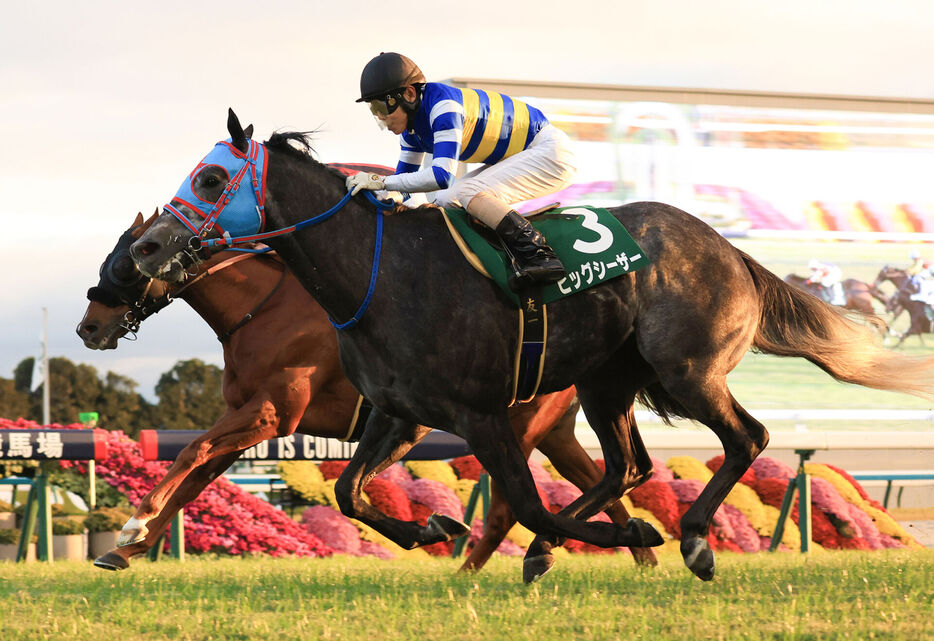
(533, 260)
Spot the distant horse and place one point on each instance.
(859, 295)
(434, 344)
(281, 373)
(901, 301)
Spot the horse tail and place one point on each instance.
(793, 322)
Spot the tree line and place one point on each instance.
(189, 396)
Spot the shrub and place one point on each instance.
(106, 519)
(66, 526)
(5, 507)
(10, 536)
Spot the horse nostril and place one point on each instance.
(139, 250)
(86, 330)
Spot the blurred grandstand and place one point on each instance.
(748, 163)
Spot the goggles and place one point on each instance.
(382, 107)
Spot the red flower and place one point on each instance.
(389, 498)
(332, 469)
(467, 467)
(658, 498)
(748, 477)
(421, 513)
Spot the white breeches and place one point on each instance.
(547, 166)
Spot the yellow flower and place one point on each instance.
(688, 467)
(300, 471)
(745, 499)
(551, 470)
(521, 536)
(882, 519)
(463, 490)
(434, 470)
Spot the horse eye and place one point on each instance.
(211, 181)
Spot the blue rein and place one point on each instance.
(377, 250)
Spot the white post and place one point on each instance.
(45, 367)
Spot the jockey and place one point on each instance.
(918, 264)
(829, 277)
(523, 156)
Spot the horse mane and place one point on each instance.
(297, 144)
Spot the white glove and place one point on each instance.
(363, 180)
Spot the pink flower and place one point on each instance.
(437, 496)
(770, 468)
(333, 528)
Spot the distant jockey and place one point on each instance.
(829, 277)
(918, 264)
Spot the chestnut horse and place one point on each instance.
(281, 375)
(858, 294)
(430, 343)
(901, 301)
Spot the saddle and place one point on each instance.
(594, 247)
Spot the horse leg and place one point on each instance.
(609, 411)
(189, 489)
(533, 423)
(709, 401)
(498, 450)
(258, 420)
(573, 463)
(386, 440)
(496, 524)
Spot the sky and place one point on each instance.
(106, 106)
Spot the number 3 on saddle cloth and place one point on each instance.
(594, 247)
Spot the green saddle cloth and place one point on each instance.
(593, 245)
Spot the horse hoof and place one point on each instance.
(446, 527)
(698, 557)
(645, 533)
(111, 561)
(535, 567)
(133, 532)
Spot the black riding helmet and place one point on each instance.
(388, 74)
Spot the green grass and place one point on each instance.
(827, 595)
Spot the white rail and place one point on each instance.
(690, 438)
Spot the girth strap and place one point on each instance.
(530, 352)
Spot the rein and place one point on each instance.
(197, 242)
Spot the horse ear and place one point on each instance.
(248, 132)
(235, 129)
(139, 227)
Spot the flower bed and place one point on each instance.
(223, 518)
(226, 519)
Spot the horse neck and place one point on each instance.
(223, 297)
(333, 259)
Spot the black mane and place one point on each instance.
(296, 143)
